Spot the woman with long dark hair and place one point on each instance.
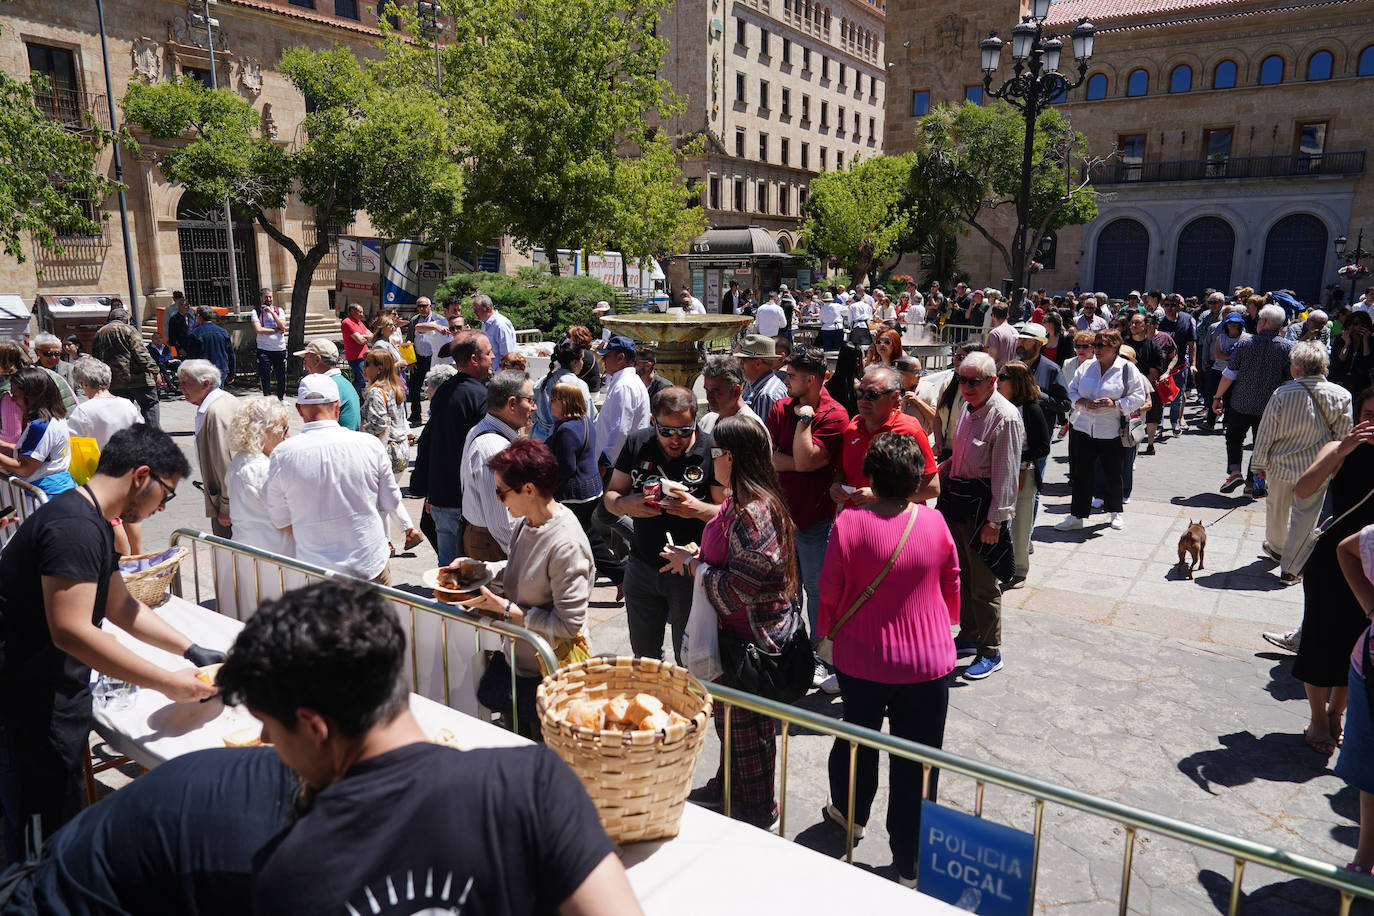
(1016, 383)
(844, 381)
(43, 453)
(746, 559)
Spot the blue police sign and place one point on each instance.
(975, 864)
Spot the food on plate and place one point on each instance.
(209, 673)
(244, 737)
(622, 713)
(673, 489)
(464, 578)
(446, 738)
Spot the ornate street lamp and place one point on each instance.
(1034, 82)
(1354, 268)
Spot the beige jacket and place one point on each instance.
(212, 453)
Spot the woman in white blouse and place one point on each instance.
(1103, 391)
(259, 425)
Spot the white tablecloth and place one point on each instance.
(714, 865)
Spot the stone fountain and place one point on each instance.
(675, 337)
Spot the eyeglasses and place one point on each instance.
(677, 432)
(1082, 346)
(868, 394)
(719, 452)
(971, 382)
(169, 493)
(958, 357)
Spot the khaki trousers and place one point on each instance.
(1023, 521)
(478, 544)
(1288, 518)
(980, 595)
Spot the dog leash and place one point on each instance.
(1223, 515)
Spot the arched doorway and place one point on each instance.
(204, 260)
(1203, 261)
(1294, 256)
(1123, 252)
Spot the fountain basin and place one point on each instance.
(675, 338)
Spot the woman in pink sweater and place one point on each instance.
(893, 655)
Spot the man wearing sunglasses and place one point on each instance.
(58, 580)
(880, 394)
(978, 485)
(675, 458)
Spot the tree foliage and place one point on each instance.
(862, 215)
(46, 168)
(968, 168)
(534, 298)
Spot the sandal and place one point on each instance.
(1324, 746)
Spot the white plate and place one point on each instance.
(430, 579)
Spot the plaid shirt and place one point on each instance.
(1259, 365)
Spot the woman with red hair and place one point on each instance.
(886, 348)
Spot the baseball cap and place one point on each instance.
(1233, 318)
(320, 347)
(620, 344)
(756, 346)
(1032, 331)
(317, 389)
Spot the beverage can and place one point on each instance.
(653, 489)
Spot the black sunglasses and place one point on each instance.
(868, 394)
(676, 432)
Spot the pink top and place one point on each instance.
(11, 419)
(901, 634)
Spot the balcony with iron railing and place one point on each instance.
(1302, 165)
(74, 108)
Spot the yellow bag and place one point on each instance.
(85, 455)
(407, 351)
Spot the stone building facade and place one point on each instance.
(178, 241)
(1237, 131)
(779, 90)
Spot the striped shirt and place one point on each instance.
(1292, 430)
(481, 506)
(987, 446)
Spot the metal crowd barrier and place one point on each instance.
(25, 497)
(962, 333)
(444, 667)
(1241, 851)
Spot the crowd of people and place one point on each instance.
(835, 503)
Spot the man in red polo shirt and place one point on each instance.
(806, 428)
(879, 412)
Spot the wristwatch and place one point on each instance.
(807, 418)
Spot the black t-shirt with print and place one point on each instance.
(643, 460)
(429, 829)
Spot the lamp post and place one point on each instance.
(1352, 257)
(1035, 80)
(119, 173)
(203, 20)
(429, 14)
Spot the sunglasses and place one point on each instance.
(868, 394)
(49, 353)
(1082, 346)
(676, 432)
(1003, 377)
(503, 492)
(719, 452)
(971, 382)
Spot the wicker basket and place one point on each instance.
(151, 585)
(638, 780)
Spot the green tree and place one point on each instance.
(861, 216)
(361, 147)
(561, 95)
(969, 165)
(46, 169)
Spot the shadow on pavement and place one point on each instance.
(1282, 685)
(1211, 501)
(1282, 897)
(1253, 577)
(1243, 758)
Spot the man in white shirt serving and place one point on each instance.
(770, 317)
(332, 486)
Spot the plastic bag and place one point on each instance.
(701, 638)
(85, 455)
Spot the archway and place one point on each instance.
(1123, 253)
(1294, 256)
(204, 261)
(1203, 260)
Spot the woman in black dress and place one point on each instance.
(1332, 618)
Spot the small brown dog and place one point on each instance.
(1194, 542)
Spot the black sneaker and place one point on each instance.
(711, 796)
(1149, 449)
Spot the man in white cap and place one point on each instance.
(333, 486)
(321, 357)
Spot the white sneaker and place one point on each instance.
(1097, 502)
(830, 685)
(1069, 523)
(1118, 521)
(1125, 500)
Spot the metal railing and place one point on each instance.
(25, 497)
(1296, 165)
(1241, 851)
(230, 564)
(74, 108)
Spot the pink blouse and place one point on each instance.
(901, 634)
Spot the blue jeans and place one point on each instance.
(811, 543)
(1176, 407)
(356, 366)
(445, 532)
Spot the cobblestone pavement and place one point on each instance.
(1123, 679)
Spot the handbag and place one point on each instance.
(1132, 430)
(1303, 553)
(1166, 389)
(826, 649)
(785, 676)
(84, 455)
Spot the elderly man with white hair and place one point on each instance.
(199, 380)
(496, 326)
(1303, 415)
(1314, 327)
(1258, 366)
(978, 487)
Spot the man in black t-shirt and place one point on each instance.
(180, 839)
(673, 450)
(57, 583)
(395, 824)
